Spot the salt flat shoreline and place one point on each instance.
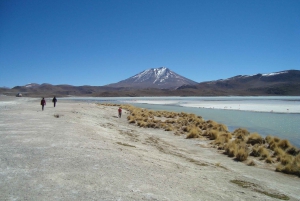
(290, 107)
(82, 151)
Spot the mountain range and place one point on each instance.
(164, 82)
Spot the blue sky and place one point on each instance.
(98, 42)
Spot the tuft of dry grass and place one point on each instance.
(279, 152)
(255, 138)
(251, 163)
(185, 128)
(286, 159)
(292, 151)
(284, 144)
(131, 119)
(290, 166)
(222, 138)
(220, 127)
(231, 149)
(269, 159)
(211, 124)
(255, 151)
(260, 151)
(242, 154)
(169, 128)
(269, 138)
(211, 134)
(264, 153)
(241, 133)
(193, 133)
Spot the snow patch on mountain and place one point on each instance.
(31, 85)
(276, 73)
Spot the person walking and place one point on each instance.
(54, 100)
(43, 103)
(120, 112)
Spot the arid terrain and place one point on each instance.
(83, 151)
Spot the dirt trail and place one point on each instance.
(82, 151)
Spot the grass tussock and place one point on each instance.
(222, 140)
(290, 165)
(284, 144)
(220, 127)
(251, 163)
(231, 149)
(241, 133)
(242, 154)
(213, 134)
(193, 133)
(255, 138)
(292, 151)
(269, 159)
(169, 128)
(263, 152)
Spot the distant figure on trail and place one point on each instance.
(43, 103)
(54, 100)
(120, 112)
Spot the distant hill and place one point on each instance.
(158, 82)
(162, 78)
(277, 83)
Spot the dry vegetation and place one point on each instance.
(239, 144)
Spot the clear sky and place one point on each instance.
(98, 42)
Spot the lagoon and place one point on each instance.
(277, 116)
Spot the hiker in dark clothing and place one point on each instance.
(120, 112)
(43, 103)
(54, 100)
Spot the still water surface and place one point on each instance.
(283, 125)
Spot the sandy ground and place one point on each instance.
(82, 151)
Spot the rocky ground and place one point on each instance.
(83, 151)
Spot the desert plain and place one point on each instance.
(83, 151)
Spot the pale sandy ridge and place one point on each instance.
(87, 153)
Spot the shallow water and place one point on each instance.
(283, 125)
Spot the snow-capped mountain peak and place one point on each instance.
(161, 77)
(31, 85)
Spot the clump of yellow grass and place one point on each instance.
(220, 127)
(251, 163)
(222, 139)
(284, 144)
(255, 138)
(237, 149)
(242, 153)
(241, 133)
(290, 165)
(211, 134)
(211, 123)
(193, 133)
(260, 151)
(131, 119)
(293, 151)
(231, 149)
